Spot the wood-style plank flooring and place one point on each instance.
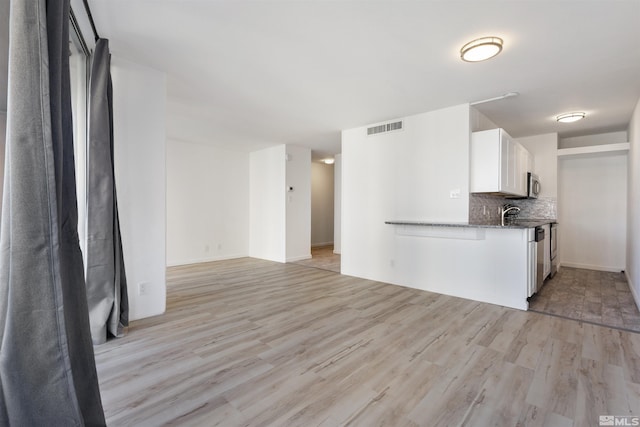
(254, 343)
(598, 297)
(322, 257)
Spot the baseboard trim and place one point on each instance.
(636, 297)
(298, 258)
(203, 260)
(319, 245)
(592, 267)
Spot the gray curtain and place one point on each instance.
(106, 281)
(47, 367)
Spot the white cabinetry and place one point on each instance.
(498, 163)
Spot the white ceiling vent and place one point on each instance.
(387, 127)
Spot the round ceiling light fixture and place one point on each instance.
(329, 161)
(481, 49)
(570, 117)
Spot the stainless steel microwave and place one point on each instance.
(533, 185)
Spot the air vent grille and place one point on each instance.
(376, 129)
(387, 127)
(394, 126)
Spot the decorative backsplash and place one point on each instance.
(540, 208)
(485, 208)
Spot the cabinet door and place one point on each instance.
(509, 165)
(498, 163)
(485, 161)
(506, 168)
(522, 169)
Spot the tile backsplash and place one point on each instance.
(485, 208)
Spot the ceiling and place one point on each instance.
(249, 74)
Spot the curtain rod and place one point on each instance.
(93, 24)
(76, 29)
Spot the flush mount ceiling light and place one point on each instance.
(481, 49)
(328, 161)
(570, 117)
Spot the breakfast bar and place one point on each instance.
(484, 262)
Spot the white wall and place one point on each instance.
(139, 132)
(298, 205)
(267, 208)
(592, 214)
(595, 139)
(322, 204)
(479, 121)
(407, 175)
(207, 203)
(544, 149)
(3, 137)
(337, 205)
(633, 206)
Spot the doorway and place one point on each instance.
(323, 213)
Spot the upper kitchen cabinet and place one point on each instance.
(498, 164)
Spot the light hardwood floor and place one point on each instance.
(252, 343)
(322, 257)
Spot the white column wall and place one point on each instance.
(3, 138)
(139, 96)
(337, 205)
(207, 203)
(633, 206)
(403, 175)
(267, 207)
(298, 203)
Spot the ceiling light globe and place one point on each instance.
(570, 117)
(481, 49)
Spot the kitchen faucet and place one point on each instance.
(508, 208)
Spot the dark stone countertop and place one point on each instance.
(513, 224)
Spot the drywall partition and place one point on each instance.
(322, 204)
(595, 139)
(418, 173)
(337, 205)
(267, 208)
(544, 149)
(592, 214)
(298, 203)
(3, 136)
(139, 95)
(633, 206)
(207, 203)
(479, 121)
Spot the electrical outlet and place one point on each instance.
(454, 194)
(144, 288)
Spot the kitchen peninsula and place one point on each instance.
(483, 262)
